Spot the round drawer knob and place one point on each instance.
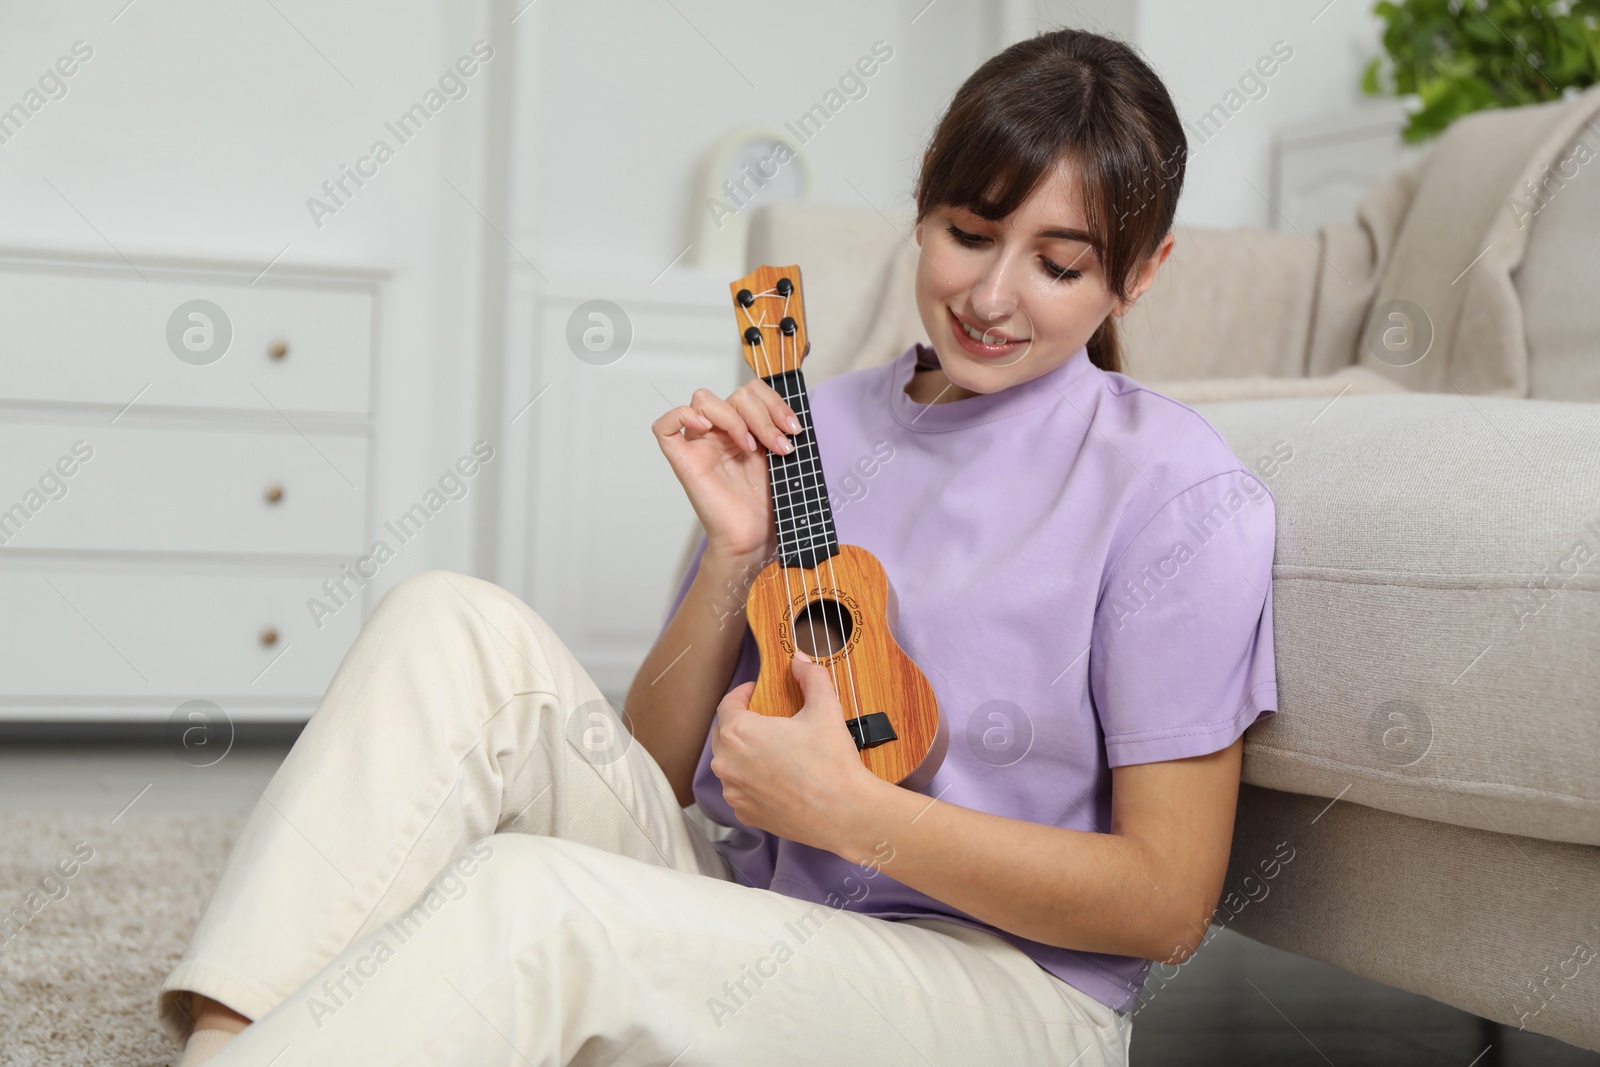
(269, 637)
(274, 493)
(278, 349)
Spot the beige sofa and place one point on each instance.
(1435, 767)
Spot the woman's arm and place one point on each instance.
(1146, 889)
(675, 693)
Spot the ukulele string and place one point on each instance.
(772, 481)
(815, 460)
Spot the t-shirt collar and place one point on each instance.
(985, 407)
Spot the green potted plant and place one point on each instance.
(1460, 56)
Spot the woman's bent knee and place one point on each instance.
(440, 597)
(427, 591)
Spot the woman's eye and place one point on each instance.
(1060, 273)
(973, 239)
(963, 237)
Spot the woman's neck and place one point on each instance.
(930, 386)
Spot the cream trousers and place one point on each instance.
(466, 860)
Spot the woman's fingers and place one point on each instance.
(753, 412)
(778, 409)
(754, 401)
(725, 416)
(682, 417)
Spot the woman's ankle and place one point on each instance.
(208, 1014)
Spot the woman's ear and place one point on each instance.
(1147, 275)
(917, 233)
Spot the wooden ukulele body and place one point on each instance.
(847, 592)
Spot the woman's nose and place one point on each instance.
(994, 296)
(993, 309)
(993, 299)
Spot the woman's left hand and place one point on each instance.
(798, 777)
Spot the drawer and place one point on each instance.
(166, 635)
(88, 336)
(175, 489)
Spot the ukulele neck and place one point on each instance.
(800, 507)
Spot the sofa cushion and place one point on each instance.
(1346, 381)
(1193, 324)
(1436, 605)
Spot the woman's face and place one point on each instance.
(1031, 285)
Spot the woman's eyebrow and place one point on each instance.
(1067, 234)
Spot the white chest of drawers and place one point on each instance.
(168, 508)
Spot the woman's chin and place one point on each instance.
(979, 374)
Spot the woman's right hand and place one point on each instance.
(718, 449)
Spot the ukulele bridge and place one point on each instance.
(871, 730)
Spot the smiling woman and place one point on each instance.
(1089, 191)
(1005, 911)
(1031, 479)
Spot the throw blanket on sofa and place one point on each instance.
(1465, 212)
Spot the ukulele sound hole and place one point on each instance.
(823, 628)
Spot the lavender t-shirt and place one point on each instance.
(1084, 575)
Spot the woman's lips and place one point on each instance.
(979, 348)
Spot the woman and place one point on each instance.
(459, 863)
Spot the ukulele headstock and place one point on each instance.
(769, 305)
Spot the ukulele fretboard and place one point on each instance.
(800, 506)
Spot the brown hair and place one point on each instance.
(1075, 96)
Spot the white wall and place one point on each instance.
(1201, 50)
(634, 93)
(202, 129)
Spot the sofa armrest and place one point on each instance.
(1436, 605)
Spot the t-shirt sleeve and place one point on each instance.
(1181, 659)
(749, 662)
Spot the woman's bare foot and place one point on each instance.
(209, 1015)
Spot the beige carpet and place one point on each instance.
(79, 978)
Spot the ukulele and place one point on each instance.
(834, 600)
